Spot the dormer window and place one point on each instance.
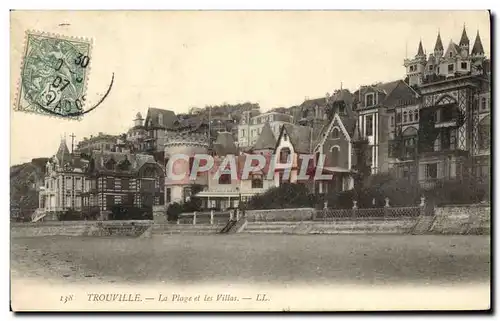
(450, 68)
(463, 65)
(335, 133)
(110, 164)
(451, 54)
(341, 110)
(370, 100)
(431, 67)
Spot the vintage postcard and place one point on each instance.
(250, 160)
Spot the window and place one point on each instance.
(392, 121)
(431, 171)
(285, 137)
(416, 114)
(110, 183)
(110, 165)
(335, 156)
(370, 100)
(284, 155)
(369, 125)
(484, 136)
(405, 117)
(78, 184)
(257, 181)
(398, 117)
(186, 194)
(483, 103)
(335, 133)
(168, 195)
(431, 67)
(410, 116)
(125, 183)
(463, 65)
(242, 133)
(110, 201)
(342, 110)
(450, 68)
(438, 70)
(225, 179)
(451, 54)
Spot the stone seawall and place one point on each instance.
(464, 219)
(397, 226)
(276, 215)
(80, 228)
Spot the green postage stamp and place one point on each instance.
(54, 75)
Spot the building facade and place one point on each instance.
(122, 179)
(63, 184)
(250, 128)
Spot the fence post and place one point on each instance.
(354, 208)
(212, 217)
(194, 218)
(386, 207)
(422, 205)
(178, 221)
(237, 214)
(231, 215)
(325, 205)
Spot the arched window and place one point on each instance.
(225, 179)
(257, 181)
(483, 103)
(335, 156)
(405, 116)
(335, 133)
(284, 154)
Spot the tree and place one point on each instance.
(173, 212)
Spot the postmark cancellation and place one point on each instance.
(54, 74)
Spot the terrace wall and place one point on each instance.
(462, 219)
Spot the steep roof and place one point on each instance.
(63, 154)
(420, 51)
(100, 158)
(439, 44)
(266, 139)
(224, 144)
(300, 137)
(400, 94)
(477, 49)
(464, 40)
(152, 118)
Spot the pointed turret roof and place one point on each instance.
(439, 43)
(464, 40)
(62, 152)
(478, 45)
(266, 139)
(420, 51)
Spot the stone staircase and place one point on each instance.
(423, 225)
(38, 215)
(168, 229)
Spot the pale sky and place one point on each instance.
(177, 60)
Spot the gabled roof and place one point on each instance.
(300, 137)
(224, 144)
(152, 119)
(266, 139)
(477, 49)
(100, 158)
(453, 47)
(401, 94)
